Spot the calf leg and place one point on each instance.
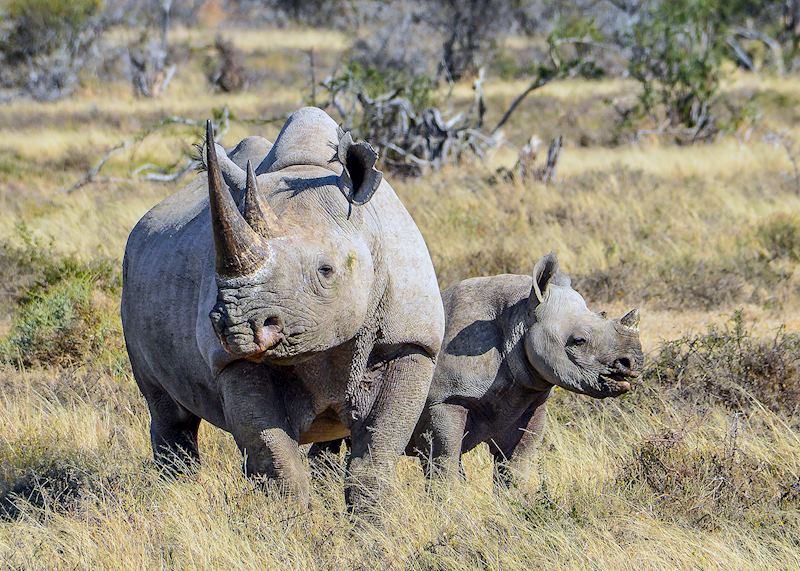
(256, 416)
(513, 452)
(438, 442)
(330, 447)
(380, 437)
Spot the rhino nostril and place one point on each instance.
(270, 334)
(274, 323)
(623, 363)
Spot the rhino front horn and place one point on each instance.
(239, 249)
(631, 319)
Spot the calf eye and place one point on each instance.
(325, 270)
(577, 341)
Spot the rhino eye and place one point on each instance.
(577, 341)
(326, 270)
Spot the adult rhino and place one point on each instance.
(307, 311)
(509, 339)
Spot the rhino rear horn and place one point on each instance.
(239, 249)
(359, 179)
(631, 319)
(258, 215)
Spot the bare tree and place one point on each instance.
(151, 70)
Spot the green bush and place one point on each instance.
(65, 312)
(678, 48)
(676, 57)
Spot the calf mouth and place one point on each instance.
(615, 383)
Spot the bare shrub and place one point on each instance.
(151, 68)
(44, 44)
(395, 112)
(226, 69)
(709, 483)
(727, 366)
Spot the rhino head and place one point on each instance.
(573, 347)
(296, 284)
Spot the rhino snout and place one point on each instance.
(625, 366)
(269, 334)
(246, 337)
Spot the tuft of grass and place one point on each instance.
(779, 236)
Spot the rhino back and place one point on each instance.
(476, 329)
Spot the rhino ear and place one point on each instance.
(359, 179)
(544, 273)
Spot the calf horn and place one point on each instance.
(240, 250)
(259, 216)
(631, 319)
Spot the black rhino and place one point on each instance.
(298, 305)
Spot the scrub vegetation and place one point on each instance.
(688, 208)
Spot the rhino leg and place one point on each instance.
(173, 433)
(380, 437)
(257, 417)
(438, 442)
(514, 451)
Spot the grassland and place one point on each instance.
(698, 468)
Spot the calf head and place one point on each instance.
(573, 347)
(296, 285)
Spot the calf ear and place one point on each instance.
(544, 273)
(359, 179)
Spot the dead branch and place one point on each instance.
(553, 153)
(770, 43)
(542, 79)
(92, 173)
(221, 128)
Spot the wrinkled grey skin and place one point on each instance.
(508, 340)
(316, 317)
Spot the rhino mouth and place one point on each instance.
(288, 350)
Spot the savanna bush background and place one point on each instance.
(677, 190)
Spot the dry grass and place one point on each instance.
(659, 479)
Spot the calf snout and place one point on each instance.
(625, 366)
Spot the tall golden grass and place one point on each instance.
(688, 233)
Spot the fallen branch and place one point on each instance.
(92, 173)
(221, 128)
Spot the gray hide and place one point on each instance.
(307, 309)
(508, 340)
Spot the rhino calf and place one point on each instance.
(508, 340)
